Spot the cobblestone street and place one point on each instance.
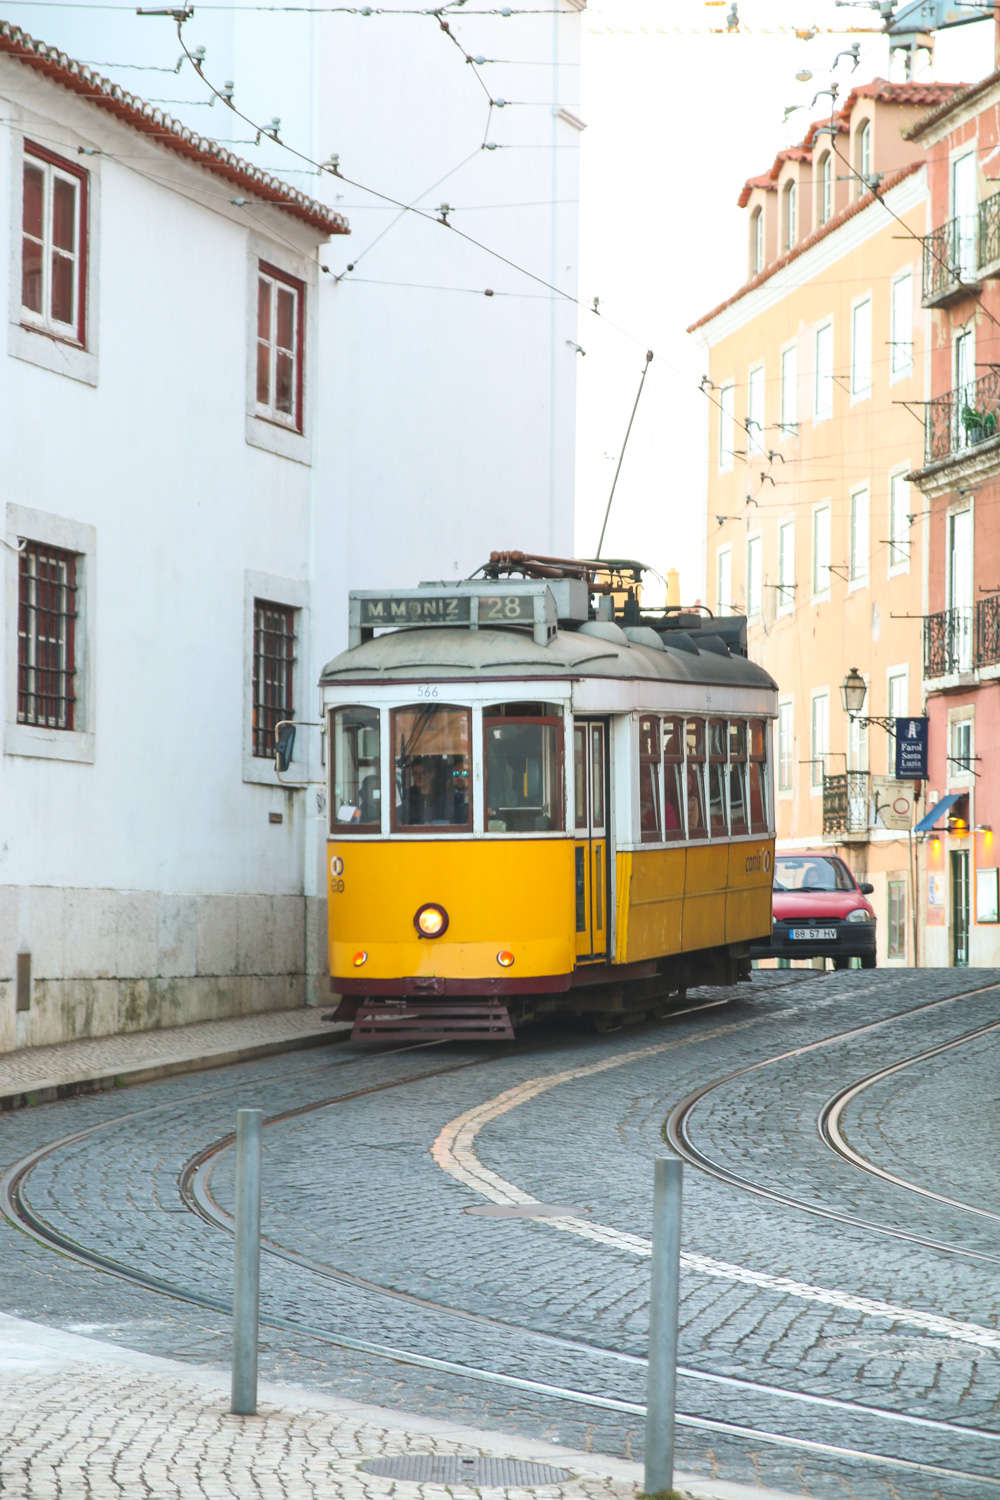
(839, 1330)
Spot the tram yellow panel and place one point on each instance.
(748, 905)
(704, 923)
(515, 894)
(650, 903)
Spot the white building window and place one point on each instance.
(820, 744)
(755, 411)
(753, 576)
(965, 212)
(789, 391)
(960, 753)
(786, 745)
(861, 349)
(821, 552)
(727, 410)
(897, 707)
(857, 744)
(724, 581)
(280, 321)
(860, 507)
(757, 241)
(899, 524)
(901, 327)
(53, 245)
(960, 588)
(864, 156)
(823, 399)
(786, 568)
(790, 216)
(824, 204)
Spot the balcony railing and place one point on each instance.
(988, 632)
(951, 257)
(948, 642)
(845, 803)
(989, 231)
(962, 418)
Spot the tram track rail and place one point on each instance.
(195, 1194)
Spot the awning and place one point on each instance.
(930, 818)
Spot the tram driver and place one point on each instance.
(430, 796)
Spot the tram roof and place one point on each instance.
(414, 655)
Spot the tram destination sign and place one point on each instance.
(494, 609)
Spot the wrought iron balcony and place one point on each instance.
(988, 631)
(962, 418)
(948, 642)
(951, 259)
(989, 233)
(845, 803)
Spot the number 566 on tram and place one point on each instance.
(542, 798)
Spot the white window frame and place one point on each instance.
(824, 207)
(901, 296)
(823, 382)
(894, 675)
(784, 784)
(754, 586)
(261, 431)
(293, 593)
(76, 744)
(857, 739)
(724, 564)
(859, 563)
(817, 761)
(954, 775)
(789, 365)
(727, 426)
(819, 594)
(785, 592)
(864, 156)
(756, 422)
(279, 286)
(790, 214)
(43, 319)
(861, 348)
(967, 241)
(899, 550)
(757, 232)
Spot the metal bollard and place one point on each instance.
(661, 1389)
(246, 1270)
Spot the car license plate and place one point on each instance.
(814, 934)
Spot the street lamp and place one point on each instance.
(853, 691)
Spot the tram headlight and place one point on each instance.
(858, 915)
(431, 920)
(361, 957)
(505, 958)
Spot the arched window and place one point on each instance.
(756, 241)
(790, 216)
(825, 190)
(864, 155)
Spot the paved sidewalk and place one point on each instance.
(82, 1418)
(36, 1075)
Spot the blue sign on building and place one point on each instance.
(911, 749)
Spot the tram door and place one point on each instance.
(590, 779)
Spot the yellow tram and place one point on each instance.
(542, 797)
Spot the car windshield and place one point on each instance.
(811, 873)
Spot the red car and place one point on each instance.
(819, 911)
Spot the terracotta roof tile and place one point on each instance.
(167, 131)
(858, 206)
(963, 95)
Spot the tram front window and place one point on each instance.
(523, 768)
(356, 801)
(431, 767)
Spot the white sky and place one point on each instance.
(678, 118)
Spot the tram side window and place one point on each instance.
(431, 764)
(673, 778)
(356, 800)
(738, 778)
(717, 757)
(697, 827)
(758, 776)
(649, 780)
(524, 780)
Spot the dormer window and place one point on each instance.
(824, 207)
(756, 241)
(790, 216)
(864, 156)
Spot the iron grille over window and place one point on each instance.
(273, 664)
(46, 637)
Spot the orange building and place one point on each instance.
(817, 371)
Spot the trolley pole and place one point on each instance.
(661, 1392)
(246, 1277)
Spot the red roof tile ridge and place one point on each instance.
(169, 132)
(810, 240)
(963, 94)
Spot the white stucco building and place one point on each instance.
(208, 440)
